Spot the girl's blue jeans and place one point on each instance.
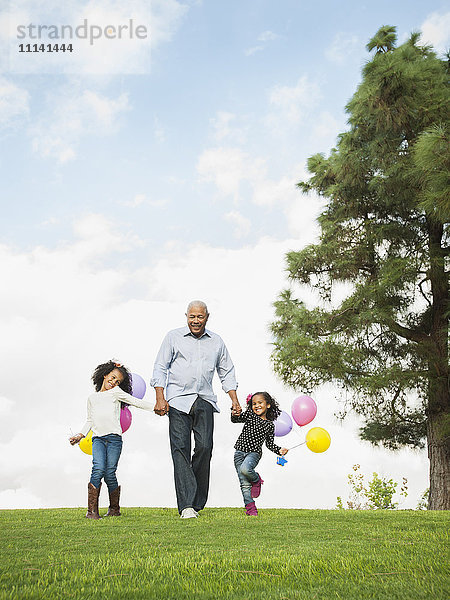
(105, 456)
(245, 464)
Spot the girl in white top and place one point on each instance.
(112, 382)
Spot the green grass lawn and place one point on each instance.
(282, 554)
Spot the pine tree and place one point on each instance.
(385, 238)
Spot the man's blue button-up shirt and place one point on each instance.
(185, 366)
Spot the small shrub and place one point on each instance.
(376, 493)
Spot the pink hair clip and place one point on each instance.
(249, 398)
(116, 363)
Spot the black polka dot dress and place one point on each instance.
(255, 432)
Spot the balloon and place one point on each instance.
(304, 409)
(318, 439)
(125, 418)
(86, 443)
(283, 424)
(138, 386)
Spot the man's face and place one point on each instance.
(196, 320)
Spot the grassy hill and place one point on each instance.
(150, 553)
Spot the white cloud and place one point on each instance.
(137, 201)
(228, 167)
(21, 498)
(268, 192)
(165, 18)
(64, 312)
(231, 170)
(301, 215)
(291, 104)
(50, 222)
(14, 103)
(241, 223)
(267, 36)
(70, 115)
(436, 31)
(97, 236)
(326, 127)
(104, 110)
(342, 47)
(225, 128)
(49, 280)
(6, 405)
(253, 50)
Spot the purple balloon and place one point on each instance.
(138, 386)
(283, 424)
(125, 418)
(304, 409)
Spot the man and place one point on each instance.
(185, 366)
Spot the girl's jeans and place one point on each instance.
(105, 456)
(245, 463)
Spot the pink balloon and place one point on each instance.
(283, 424)
(304, 409)
(125, 418)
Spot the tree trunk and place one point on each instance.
(438, 429)
(439, 455)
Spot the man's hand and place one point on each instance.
(161, 406)
(235, 406)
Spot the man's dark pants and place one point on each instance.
(192, 474)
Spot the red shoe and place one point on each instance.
(251, 510)
(256, 487)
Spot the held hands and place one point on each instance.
(161, 406)
(236, 409)
(76, 438)
(235, 406)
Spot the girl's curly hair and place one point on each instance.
(105, 369)
(273, 412)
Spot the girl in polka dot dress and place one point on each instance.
(262, 411)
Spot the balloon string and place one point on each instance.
(297, 432)
(297, 445)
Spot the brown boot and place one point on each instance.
(114, 508)
(93, 494)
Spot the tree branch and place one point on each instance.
(404, 332)
(423, 293)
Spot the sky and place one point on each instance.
(143, 171)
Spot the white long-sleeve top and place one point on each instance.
(103, 411)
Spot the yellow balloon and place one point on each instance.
(318, 439)
(86, 443)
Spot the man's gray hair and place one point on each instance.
(198, 303)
